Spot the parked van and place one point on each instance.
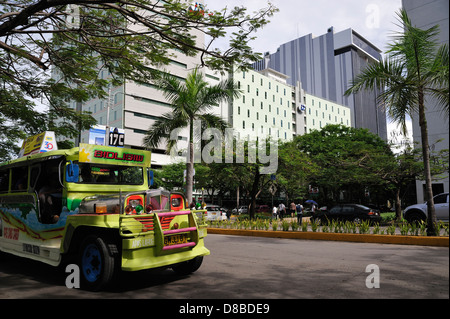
(215, 212)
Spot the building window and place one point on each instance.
(117, 98)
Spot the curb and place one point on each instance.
(360, 238)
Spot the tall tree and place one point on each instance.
(190, 101)
(415, 67)
(78, 39)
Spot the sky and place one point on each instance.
(375, 20)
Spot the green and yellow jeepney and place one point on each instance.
(94, 203)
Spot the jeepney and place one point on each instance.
(93, 203)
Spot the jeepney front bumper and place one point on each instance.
(161, 239)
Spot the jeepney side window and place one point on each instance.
(19, 181)
(34, 174)
(4, 180)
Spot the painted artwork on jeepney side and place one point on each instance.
(30, 225)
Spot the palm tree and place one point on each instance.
(190, 101)
(415, 68)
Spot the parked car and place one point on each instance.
(215, 212)
(226, 211)
(348, 212)
(263, 209)
(240, 210)
(419, 212)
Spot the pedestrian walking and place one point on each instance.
(299, 209)
(275, 212)
(292, 209)
(281, 210)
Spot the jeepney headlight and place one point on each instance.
(101, 208)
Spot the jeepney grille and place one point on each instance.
(148, 223)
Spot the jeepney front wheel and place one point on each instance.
(188, 267)
(97, 263)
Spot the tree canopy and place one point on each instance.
(76, 40)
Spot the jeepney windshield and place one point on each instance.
(110, 174)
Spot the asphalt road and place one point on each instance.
(254, 268)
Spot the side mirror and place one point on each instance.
(150, 178)
(72, 172)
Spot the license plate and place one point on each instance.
(175, 240)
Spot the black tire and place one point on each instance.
(416, 217)
(188, 267)
(98, 266)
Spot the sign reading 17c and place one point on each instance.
(116, 138)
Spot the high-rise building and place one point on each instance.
(425, 14)
(269, 106)
(325, 66)
(264, 108)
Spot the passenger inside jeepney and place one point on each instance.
(86, 176)
(50, 198)
(19, 178)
